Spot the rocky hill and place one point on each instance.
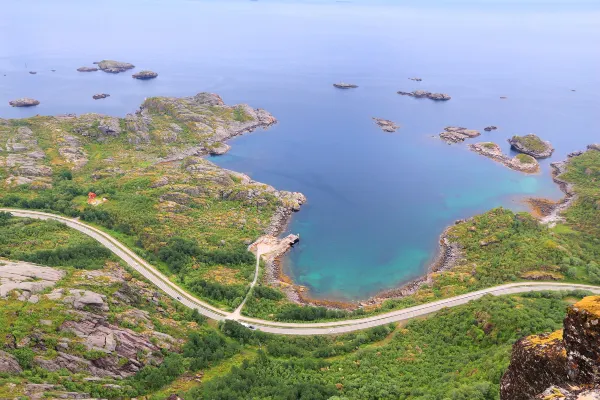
(561, 365)
(149, 180)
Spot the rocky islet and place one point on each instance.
(457, 134)
(520, 162)
(386, 125)
(532, 145)
(420, 94)
(24, 102)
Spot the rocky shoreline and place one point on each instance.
(521, 162)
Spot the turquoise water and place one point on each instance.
(377, 202)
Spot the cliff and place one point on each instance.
(560, 365)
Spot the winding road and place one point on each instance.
(322, 328)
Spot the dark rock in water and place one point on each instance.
(503, 97)
(456, 134)
(343, 85)
(24, 102)
(32, 72)
(416, 79)
(490, 128)
(145, 75)
(114, 67)
(53, 70)
(386, 125)
(419, 94)
(87, 69)
(532, 145)
(100, 96)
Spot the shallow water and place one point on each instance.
(377, 202)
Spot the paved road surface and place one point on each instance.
(323, 328)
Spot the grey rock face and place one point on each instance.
(84, 298)
(27, 278)
(9, 364)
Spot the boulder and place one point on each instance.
(9, 364)
(344, 85)
(84, 298)
(114, 67)
(24, 102)
(87, 69)
(144, 75)
(531, 145)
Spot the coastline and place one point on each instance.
(447, 257)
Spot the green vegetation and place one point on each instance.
(489, 145)
(460, 353)
(49, 243)
(525, 159)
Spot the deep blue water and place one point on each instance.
(377, 202)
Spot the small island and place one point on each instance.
(145, 75)
(343, 85)
(24, 102)
(531, 145)
(490, 128)
(87, 69)
(457, 134)
(419, 94)
(32, 72)
(386, 125)
(114, 67)
(521, 162)
(100, 96)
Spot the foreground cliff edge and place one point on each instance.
(562, 365)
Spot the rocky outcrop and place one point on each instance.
(26, 279)
(343, 85)
(99, 96)
(416, 79)
(561, 365)
(114, 67)
(386, 125)
(87, 69)
(537, 362)
(531, 145)
(457, 134)
(80, 299)
(490, 128)
(594, 146)
(71, 149)
(419, 94)
(521, 162)
(9, 364)
(145, 75)
(25, 159)
(24, 102)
